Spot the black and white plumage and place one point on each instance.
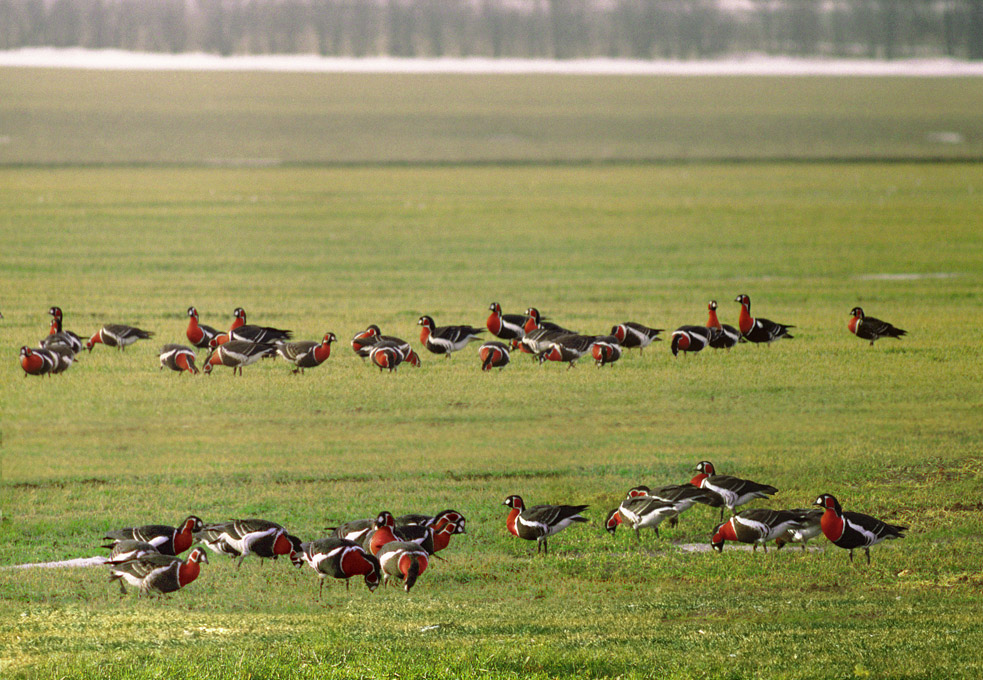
(386, 356)
(494, 354)
(689, 339)
(403, 561)
(129, 549)
(734, 491)
(810, 528)
(199, 334)
(118, 335)
(869, 328)
(537, 320)
(167, 539)
(539, 522)
(852, 530)
(37, 361)
(640, 512)
(258, 334)
(605, 352)
(446, 339)
(418, 519)
(243, 332)
(756, 526)
(759, 330)
(683, 496)
(433, 533)
(64, 357)
(178, 358)
(365, 341)
(306, 353)
(236, 354)
(354, 530)
(631, 335)
(421, 535)
(538, 340)
(58, 335)
(64, 339)
(156, 573)
(383, 531)
(243, 537)
(570, 347)
(341, 558)
(722, 336)
(505, 326)
(560, 352)
(55, 358)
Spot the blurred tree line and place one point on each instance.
(561, 29)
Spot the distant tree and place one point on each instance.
(975, 30)
(63, 24)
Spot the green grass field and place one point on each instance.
(92, 117)
(893, 430)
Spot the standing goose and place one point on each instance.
(236, 354)
(540, 522)
(851, 530)
(54, 359)
(178, 358)
(167, 539)
(117, 335)
(869, 328)
(242, 332)
(36, 361)
(306, 354)
(342, 559)
(446, 339)
(756, 526)
(57, 334)
(732, 490)
(198, 334)
(722, 336)
(759, 330)
(509, 327)
(65, 339)
(631, 335)
(538, 321)
(156, 573)
(63, 355)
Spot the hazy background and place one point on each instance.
(554, 29)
